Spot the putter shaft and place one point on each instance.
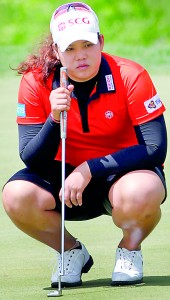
(63, 131)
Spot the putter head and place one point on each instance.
(56, 293)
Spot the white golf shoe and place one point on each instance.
(76, 262)
(128, 267)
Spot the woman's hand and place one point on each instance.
(75, 184)
(60, 100)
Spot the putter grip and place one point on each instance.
(63, 115)
(63, 77)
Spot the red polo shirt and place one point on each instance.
(123, 97)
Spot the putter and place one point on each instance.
(63, 128)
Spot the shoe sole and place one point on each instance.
(85, 269)
(116, 283)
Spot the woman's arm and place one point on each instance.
(38, 144)
(150, 152)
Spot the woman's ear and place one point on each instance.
(101, 39)
(54, 46)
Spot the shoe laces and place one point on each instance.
(68, 256)
(127, 258)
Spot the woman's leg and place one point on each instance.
(136, 199)
(31, 209)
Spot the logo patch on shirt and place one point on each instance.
(109, 114)
(109, 82)
(21, 110)
(153, 104)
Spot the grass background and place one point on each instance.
(135, 29)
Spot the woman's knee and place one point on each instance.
(22, 198)
(137, 190)
(14, 195)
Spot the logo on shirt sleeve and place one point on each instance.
(21, 110)
(153, 104)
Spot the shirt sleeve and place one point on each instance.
(143, 101)
(33, 101)
(38, 143)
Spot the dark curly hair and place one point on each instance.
(44, 62)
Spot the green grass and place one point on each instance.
(136, 29)
(25, 269)
(127, 21)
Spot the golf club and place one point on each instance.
(63, 128)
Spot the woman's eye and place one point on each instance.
(88, 45)
(69, 49)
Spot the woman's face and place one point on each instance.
(82, 59)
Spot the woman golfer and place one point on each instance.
(115, 148)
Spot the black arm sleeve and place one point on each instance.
(39, 143)
(150, 152)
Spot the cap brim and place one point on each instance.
(85, 36)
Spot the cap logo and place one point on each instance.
(61, 26)
(71, 22)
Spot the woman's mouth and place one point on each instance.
(82, 66)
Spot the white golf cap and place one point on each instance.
(72, 22)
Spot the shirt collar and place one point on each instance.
(105, 82)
